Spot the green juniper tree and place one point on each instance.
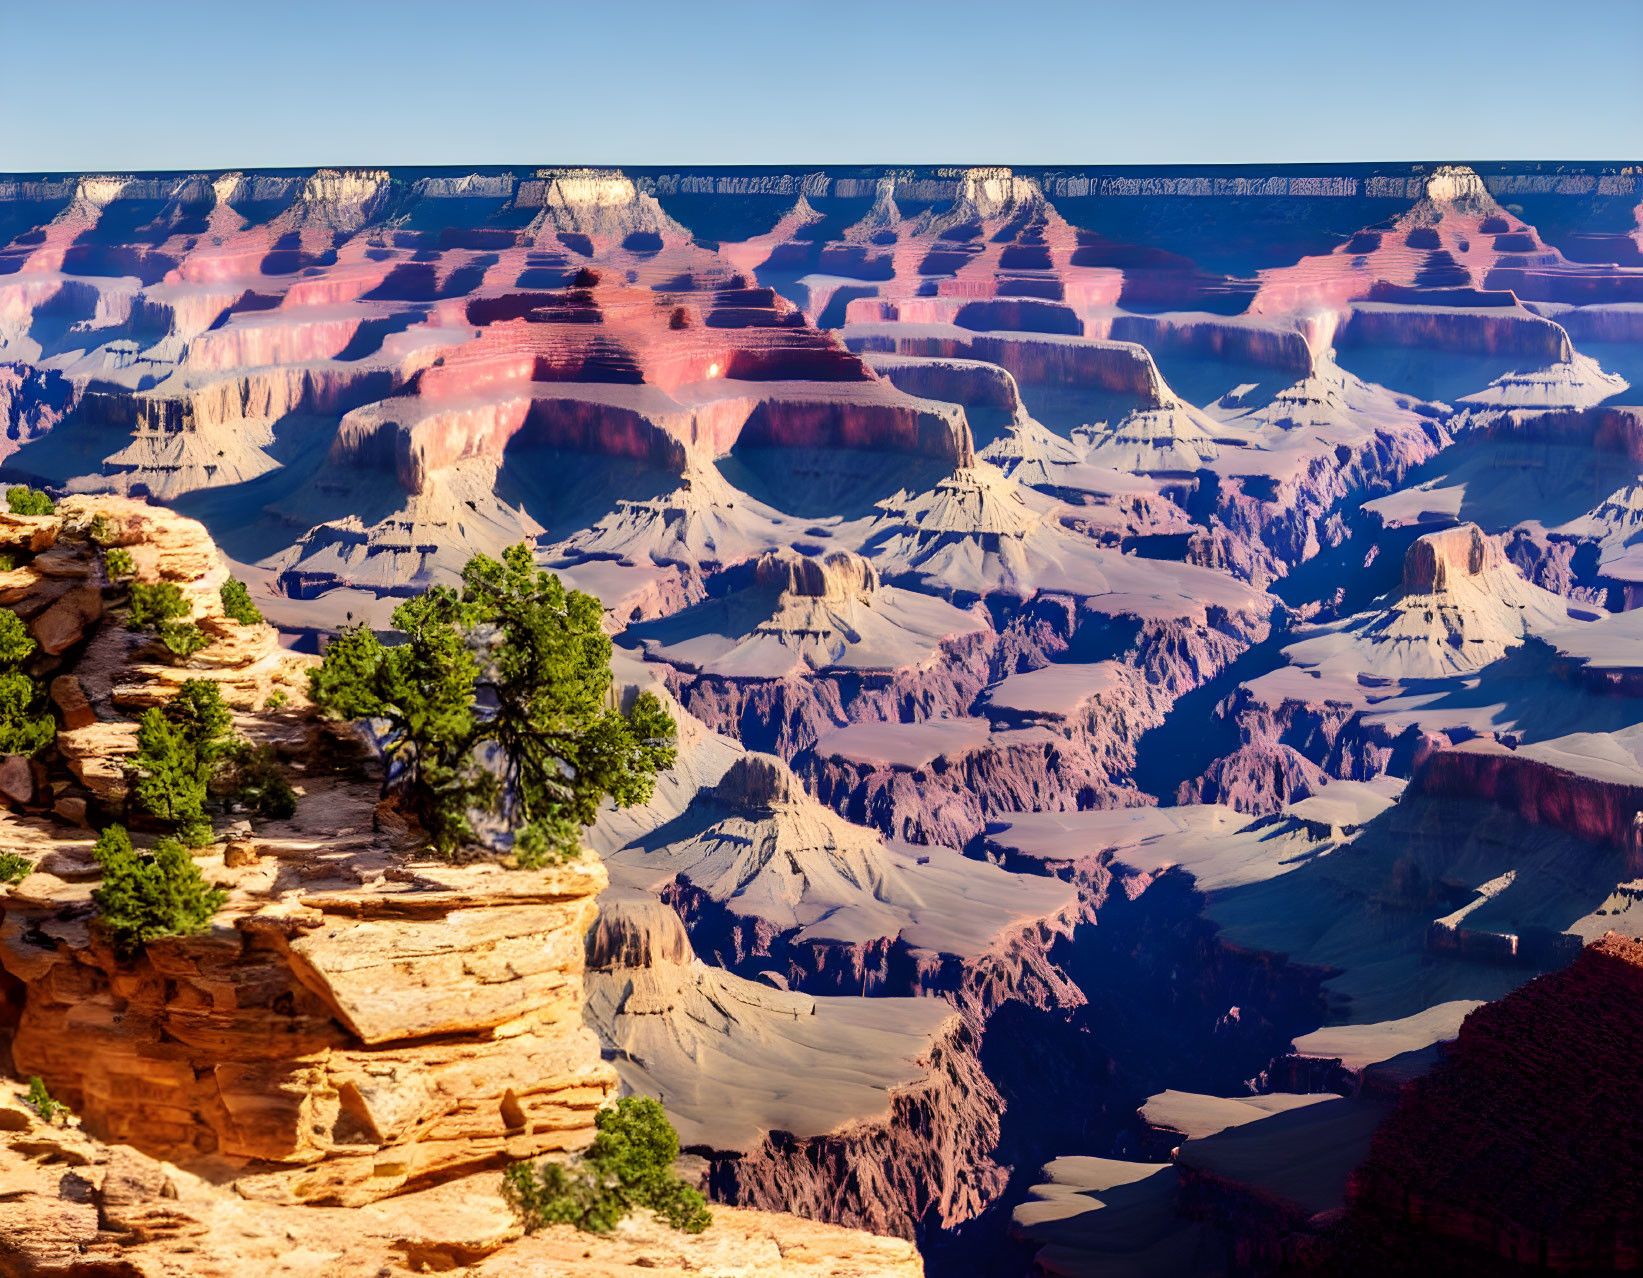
(119, 564)
(187, 750)
(26, 726)
(144, 897)
(180, 748)
(236, 602)
(152, 604)
(181, 638)
(628, 1166)
(23, 500)
(498, 701)
(257, 781)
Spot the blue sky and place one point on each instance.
(187, 84)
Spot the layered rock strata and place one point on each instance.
(358, 1018)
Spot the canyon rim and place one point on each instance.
(986, 720)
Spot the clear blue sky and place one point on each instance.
(180, 84)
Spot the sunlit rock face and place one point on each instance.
(1138, 640)
(332, 1037)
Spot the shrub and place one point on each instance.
(172, 779)
(143, 898)
(236, 602)
(9, 559)
(26, 726)
(118, 563)
(276, 700)
(101, 531)
(182, 638)
(259, 783)
(14, 868)
(16, 643)
(532, 849)
(517, 641)
(179, 750)
(629, 1165)
(152, 604)
(29, 501)
(40, 1100)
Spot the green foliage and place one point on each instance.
(199, 710)
(26, 726)
(16, 643)
(142, 898)
(236, 602)
(14, 868)
(276, 700)
(182, 638)
(171, 779)
(29, 501)
(152, 604)
(40, 1099)
(258, 782)
(628, 1166)
(102, 531)
(9, 559)
(118, 563)
(534, 654)
(179, 750)
(533, 849)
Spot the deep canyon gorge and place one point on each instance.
(1160, 720)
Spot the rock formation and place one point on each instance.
(76, 1205)
(359, 1018)
(1143, 643)
(1511, 1155)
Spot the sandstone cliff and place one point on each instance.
(328, 1077)
(359, 1017)
(75, 1207)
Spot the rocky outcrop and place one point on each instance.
(1545, 786)
(894, 1129)
(76, 1205)
(334, 1045)
(359, 1018)
(1513, 1155)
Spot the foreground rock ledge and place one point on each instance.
(335, 1046)
(70, 1205)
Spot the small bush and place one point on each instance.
(259, 783)
(628, 1166)
(9, 559)
(276, 700)
(29, 501)
(118, 563)
(236, 602)
(26, 726)
(534, 847)
(143, 898)
(152, 604)
(199, 710)
(101, 531)
(14, 868)
(180, 749)
(182, 638)
(16, 643)
(171, 778)
(40, 1099)
(196, 833)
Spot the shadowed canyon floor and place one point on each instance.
(1152, 654)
